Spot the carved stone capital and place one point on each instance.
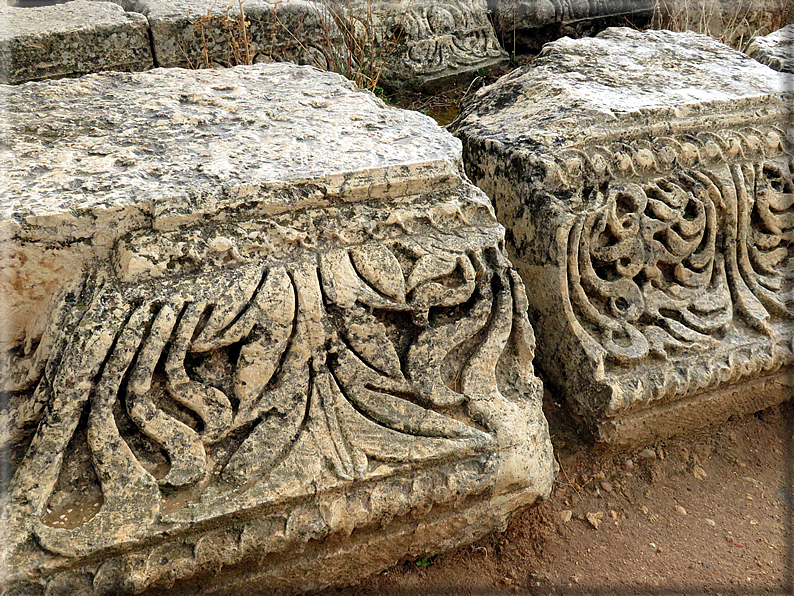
(251, 341)
(646, 183)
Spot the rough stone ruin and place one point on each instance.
(260, 333)
(415, 43)
(645, 179)
(775, 50)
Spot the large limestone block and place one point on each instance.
(70, 39)
(645, 179)
(775, 50)
(260, 335)
(422, 43)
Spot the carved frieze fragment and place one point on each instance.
(645, 179)
(528, 24)
(421, 43)
(260, 332)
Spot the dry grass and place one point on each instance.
(344, 33)
(733, 22)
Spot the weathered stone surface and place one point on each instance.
(201, 33)
(531, 23)
(646, 182)
(259, 332)
(70, 39)
(775, 50)
(423, 43)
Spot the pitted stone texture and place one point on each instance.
(205, 33)
(261, 333)
(531, 23)
(775, 50)
(424, 43)
(646, 182)
(71, 39)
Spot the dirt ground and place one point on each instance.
(706, 514)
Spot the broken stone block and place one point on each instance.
(70, 39)
(421, 43)
(260, 335)
(528, 24)
(775, 50)
(645, 179)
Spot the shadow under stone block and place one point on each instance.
(645, 179)
(260, 334)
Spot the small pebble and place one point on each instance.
(648, 454)
(566, 515)
(607, 486)
(613, 514)
(699, 472)
(628, 465)
(711, 522)
(680, 510)
(595, 518)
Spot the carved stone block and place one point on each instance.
(259, 335)
(70, 39)
(645, 179)
(775, 50)
(422, 43)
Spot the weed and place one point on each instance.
(344, 34)
(734, 23)
(425, 562)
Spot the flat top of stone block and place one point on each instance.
(622, 77)
(79, 14)
(194, 142)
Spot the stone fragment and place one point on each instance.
(595, 519)
(775, 50)
(70, 39)
(645, 179)
(260, 334)
(423, 43)
(528, 24)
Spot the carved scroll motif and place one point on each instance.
(448, 36)
(198, 387)
(675, 263)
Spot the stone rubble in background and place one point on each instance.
(645, 179)
(260, 335)
(775, 50)
(411, 43)
(71, 39)
(529, 24)
(424, 43)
